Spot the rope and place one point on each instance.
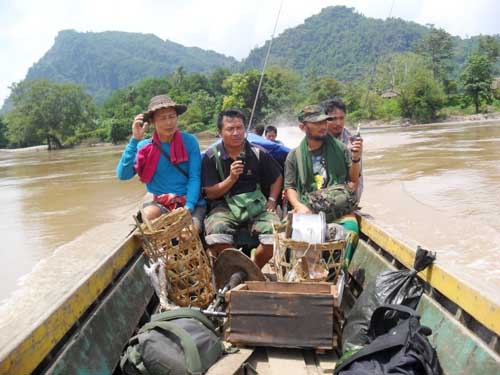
(375, 66)
(264, 69)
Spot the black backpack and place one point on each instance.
(178, 342)
(398, 346)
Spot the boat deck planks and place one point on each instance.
(286, 361)
(311, 363)
(231, 363)
(278, 361)
(327, 361)
(260, 362)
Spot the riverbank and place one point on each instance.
(373, 124)
(452, 120)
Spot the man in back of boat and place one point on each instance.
(233, 173)
(169, 163)
(258, 129)
(271, 133)
(322, 167)
(336, 109)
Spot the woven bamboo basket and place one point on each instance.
(174, 239)
(292, 258)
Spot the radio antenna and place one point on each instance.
(264, 69)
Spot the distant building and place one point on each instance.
(390, 94)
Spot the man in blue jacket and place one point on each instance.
(169, 163)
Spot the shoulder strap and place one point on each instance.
(184, 312)
(132, 357)
(256, 150)
(168, 158)
(218, 163)
(193, 360)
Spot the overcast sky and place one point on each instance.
(232, 27)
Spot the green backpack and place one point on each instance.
(243, 206)
(181, 341)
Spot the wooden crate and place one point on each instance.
(286, 315)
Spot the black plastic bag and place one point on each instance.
(400, 287)
(396, 346)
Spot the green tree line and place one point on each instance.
(420, 82)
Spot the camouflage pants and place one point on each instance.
(221, 225)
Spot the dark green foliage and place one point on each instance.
(116, 131)
(345, 44)
(3, 133)
(106, 61)
(333, 54)
(476, 79)
(421, 96)
(324, 88)
(339, 42)
(463, 49)
(437, 48)
(277, 97)
(50, 113)
(489, 47)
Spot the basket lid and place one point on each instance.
(231, 261)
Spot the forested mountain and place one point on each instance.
(338, 41)
(341, 42)
(103, 62)
(429, 74)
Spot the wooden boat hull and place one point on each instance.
(86, 332)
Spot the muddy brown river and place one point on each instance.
(437, 186)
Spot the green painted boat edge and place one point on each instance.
(35, 343)
(460, 351)
(97, 345)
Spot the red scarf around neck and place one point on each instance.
(148, 156)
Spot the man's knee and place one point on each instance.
(219, 229)
(263, 227)
(152, 212)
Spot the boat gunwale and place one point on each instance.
(33, 345)
(470, 300)
(22, 356)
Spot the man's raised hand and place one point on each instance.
(139, 127)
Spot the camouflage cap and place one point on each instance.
(313, 113)
(163, 101)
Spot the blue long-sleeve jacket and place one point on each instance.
(167, 178)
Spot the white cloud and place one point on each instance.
(232, 27)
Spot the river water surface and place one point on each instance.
(432, 185)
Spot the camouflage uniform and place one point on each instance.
(260, 170)
(221, 226)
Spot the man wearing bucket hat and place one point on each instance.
(169, 163)
(321, 174)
